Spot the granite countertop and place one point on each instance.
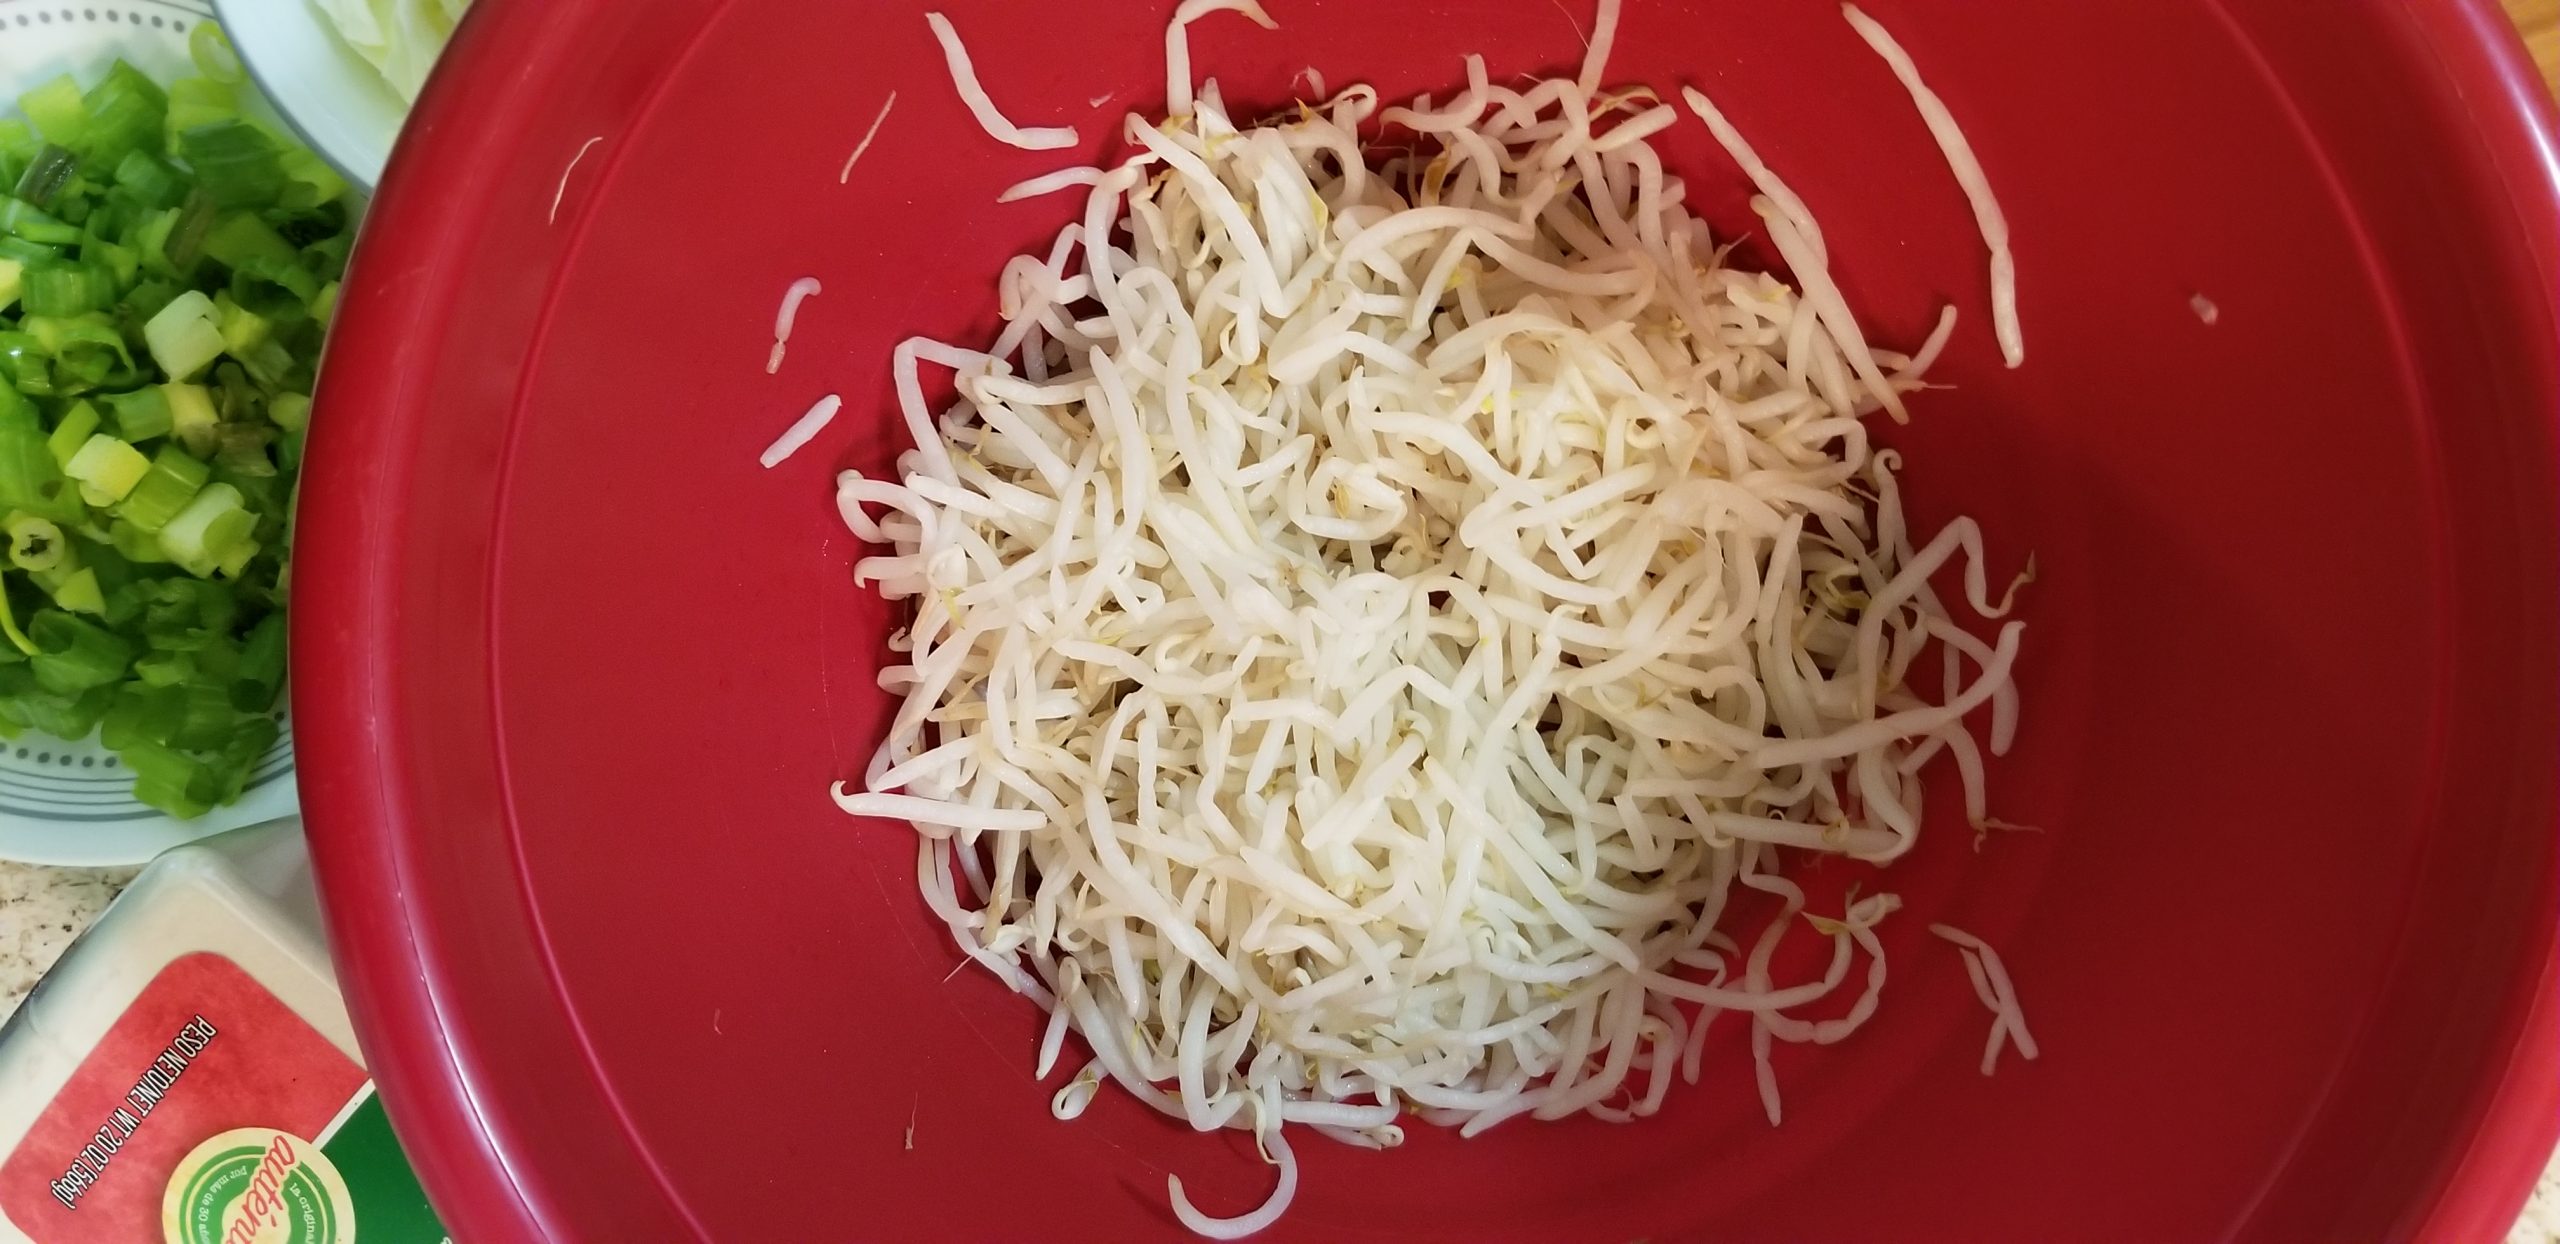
(41, 910)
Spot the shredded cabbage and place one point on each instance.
(399, 38)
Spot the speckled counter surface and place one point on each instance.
(41, 911)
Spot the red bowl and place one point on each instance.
(575, 672)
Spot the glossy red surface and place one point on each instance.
(575, 673)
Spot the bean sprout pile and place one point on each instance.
(1372, 614)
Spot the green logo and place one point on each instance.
(256, 1185)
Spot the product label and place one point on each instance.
(210, 1113)
(257, 1185)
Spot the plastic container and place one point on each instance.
(577, 672)
(327, 92)
(188, 1067)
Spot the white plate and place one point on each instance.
(326, 92)
(72, 803)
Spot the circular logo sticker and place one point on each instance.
(256, 1185)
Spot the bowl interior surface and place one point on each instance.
(584, 671)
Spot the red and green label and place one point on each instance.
(211, 1113)
(257, 1185)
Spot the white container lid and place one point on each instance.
(189, 1051)
(325, 91)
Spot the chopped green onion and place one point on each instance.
(277, 289)
(252, 734)
(147, 298)
(261, 674)
(202, 534)
(59, 112)
(235, 162)
(72, 432)
(149, 236)
(242, 329)
(167, 669)
(81, 594)
(122, 262)
(173, 482)
(30, 480)
(34, 543)
(236, 562)
(74, 654)
(52, 169)
(240, 453)
(18, 141)
(24, 220)
(149, 492)
(68, 289)
(19, 249)
(107, 469)
(141, 414)
(217, 606)
(184, 337)
(307, 169)
(52, 578)
(69, 717)
(135, 544)
(290, 411)
(9, 625)
(233, 392)
(171, 781)
(192, 417)
(185, 243)
(143, 712)
(26, 364)
(209, 716)
(126, 113)
(199, 101)
(87, 350)
(264, 490)
(152, 181)
(269, 362)
(240, 238)
(60, 335)
(89, 543)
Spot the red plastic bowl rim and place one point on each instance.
(345, 685)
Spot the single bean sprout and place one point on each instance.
(1595, 57)
(1243, 1225)
(1051, 183)
(1177, 44)
(1969, 175)
(801, 432)
(1370, 618)
(560, 193)
(964, 79)
(800, 291)
(1071, 1100)
(846, 173)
